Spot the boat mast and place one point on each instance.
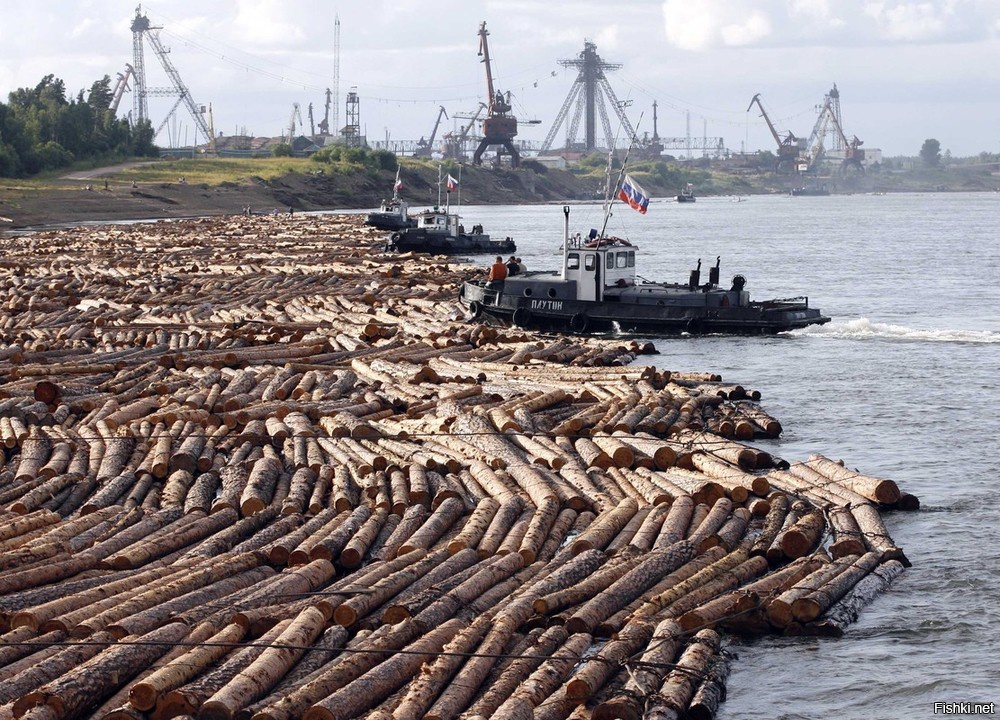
(610, 197)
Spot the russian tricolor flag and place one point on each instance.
(452, 183)
(633, 194)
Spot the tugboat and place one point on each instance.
(440, 232)
(809, 191)
(392, 214)
(597, 290)
(687, 194)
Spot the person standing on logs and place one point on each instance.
(498, 273)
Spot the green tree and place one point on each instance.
(930, 153)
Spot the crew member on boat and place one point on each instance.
(512, 267)
(497, 275)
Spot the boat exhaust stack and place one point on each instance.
(713, 272)
(695, 277)
(565, 239)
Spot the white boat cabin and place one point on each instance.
(439, 223)
(598, 264)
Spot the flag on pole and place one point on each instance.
(452, 183)
(398, 185)
(633, 194)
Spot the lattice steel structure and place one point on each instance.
(590, 95)
(141, 28)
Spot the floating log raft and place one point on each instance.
(253, 467)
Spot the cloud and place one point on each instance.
(268, 23)
(910, 22)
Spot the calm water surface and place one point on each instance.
(901, 384)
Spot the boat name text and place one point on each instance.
(546, 305)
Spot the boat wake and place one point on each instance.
(865, 329)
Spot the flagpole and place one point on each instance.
(621, 174)
(459, 188)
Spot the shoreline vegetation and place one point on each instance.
(185, 188)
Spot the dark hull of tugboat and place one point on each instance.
(584, 317)
(685, 198)
(388, 221)
(416, 240)
(809, 192)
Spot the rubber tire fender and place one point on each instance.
(579, 323)
(521, 317)
(475, 309)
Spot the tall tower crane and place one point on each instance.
(453, 143)
(499, 126)
(788, 146)
(141, 28)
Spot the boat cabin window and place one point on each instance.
(621, 259)
(590, 261)
(631, 258)
(609, 261)
(573, 261)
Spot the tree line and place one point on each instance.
(43, 129)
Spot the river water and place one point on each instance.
(902, 384)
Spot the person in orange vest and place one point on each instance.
(498, 273)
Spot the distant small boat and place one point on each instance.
(687, 194)
(809, 191)
(392, 214)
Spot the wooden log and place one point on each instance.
(606, 526)
(543, 682)
(185, 700)
(773, 522)
(88, 683)
(680, 684)
(436, 525)
(475, 526)
(845, 611)
(434, 676)
(517, 671)
(804, 535)
(253, 682)
(875, 489)
(646, 677)
(380, 682)
(847, 538)
(810, 606)
(779, 609)
(629, 586)
(144, 694)
(507, 514)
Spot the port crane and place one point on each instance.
(296, 115)
(453, 143)
(426, 147)
(121, 87)
(829, 116)
(324, 124)
(789, 146)
(499, 125)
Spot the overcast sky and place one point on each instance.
(906, 71)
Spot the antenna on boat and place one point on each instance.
(610, 196)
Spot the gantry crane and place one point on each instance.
(499, 126)
(426, 147)
(789, 146)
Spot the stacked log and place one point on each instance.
(304, 486)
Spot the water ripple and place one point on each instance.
(865, 329)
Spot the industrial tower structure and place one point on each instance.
(141, 28)
(591, 82)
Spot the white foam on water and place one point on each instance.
(865, 329)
